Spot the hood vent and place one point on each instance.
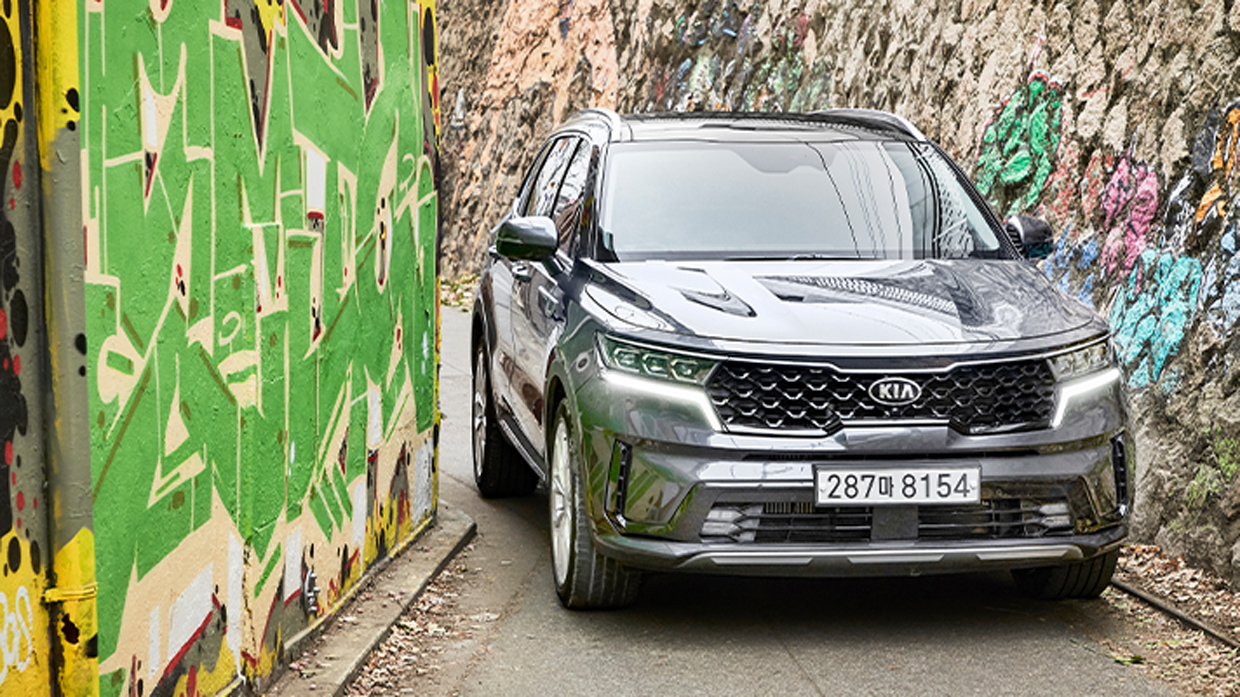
(723, 302)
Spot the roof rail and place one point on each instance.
(612, 118)
(872, 117)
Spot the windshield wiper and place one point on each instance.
(791, 257)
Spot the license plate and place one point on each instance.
(915, 486)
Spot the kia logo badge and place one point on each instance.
(895, 392)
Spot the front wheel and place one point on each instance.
(584, 579)
(1078, 580)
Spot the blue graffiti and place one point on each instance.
(1086, 294)
(1069, 255)
(1223, 283)
(1089, 254)
(1151, 314)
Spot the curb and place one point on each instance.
(340, 645)
(1183, 617)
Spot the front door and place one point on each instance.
(536, 301)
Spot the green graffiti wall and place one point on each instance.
(1016, 156)
(259, 209)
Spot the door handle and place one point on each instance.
(549, 302)
(522, 271)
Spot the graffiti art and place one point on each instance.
(261, 296)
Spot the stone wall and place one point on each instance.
(1119, 122)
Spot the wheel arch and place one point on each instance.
(479, 328)
(556, 394)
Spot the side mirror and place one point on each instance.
(533, 238)
(1032, 236)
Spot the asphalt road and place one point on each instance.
(690, 635)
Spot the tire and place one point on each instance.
(584, 579)
(499, 470)
(1078, 580)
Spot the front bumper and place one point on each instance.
(659, 472)
(911, 558)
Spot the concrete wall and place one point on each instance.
(1117, 120)
(257, 200)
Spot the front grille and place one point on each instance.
(973, 398)
(990, 520)
(792, 522)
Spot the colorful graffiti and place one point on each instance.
(1129, 205)
(1017, 153)
(1202, 215)
(1124, 202)
(1159, 275)
(261, 219)
(1151, 314)
(24, 548)
(1126, 263)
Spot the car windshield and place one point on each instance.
(854, 199)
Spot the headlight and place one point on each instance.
(654, 363)
(1081, 362)
(1081, 374)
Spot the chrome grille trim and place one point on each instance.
(817, 398)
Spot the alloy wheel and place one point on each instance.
(561, 503)
(479, 412)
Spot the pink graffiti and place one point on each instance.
(661, 85)
(1129, 203)
(1092, 183)
(800, 31)
(1061, 186)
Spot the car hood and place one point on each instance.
(852, 302)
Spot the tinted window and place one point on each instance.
(852, 199)
(542, 197)
(568, 202)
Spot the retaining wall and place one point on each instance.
(1118, 121)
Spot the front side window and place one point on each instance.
(850, 199)
(568, 203)
(542, 198)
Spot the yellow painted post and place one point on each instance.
(72, 597)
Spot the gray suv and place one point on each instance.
(789, 345)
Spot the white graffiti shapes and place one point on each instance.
(15, 633)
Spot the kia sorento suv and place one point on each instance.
(789, 345)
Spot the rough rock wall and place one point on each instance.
(1118, 121)
(511, 72)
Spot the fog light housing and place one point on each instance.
(1056, 515)
(1119, 466)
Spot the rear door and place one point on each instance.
(537, 296)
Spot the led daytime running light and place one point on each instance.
(1081, 388)
(653, 363)
(667, 391)
(1084, 361)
